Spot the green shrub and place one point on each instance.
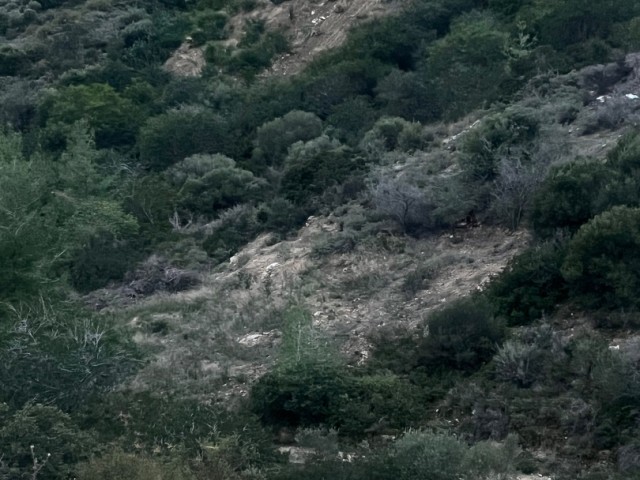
(440, 456)
(173, 136)
(376, 404)
(475, 43)
(570, 196)
(521, 359)
(462, 336)
(496, 136)
(209, 183)
(100, 261)
(300, 394)
(42, 433)
(311, 167)
(530, 285)
(275, 137)
(352, 118)
(114, 118)
(230, 231)
(602, 263)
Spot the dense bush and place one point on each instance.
(318, 394)
(312, 167)
(275, 137)
(569, 197)
(474, 44)
(173, 136)
(462, 336)
(206, 184)
(531, 284)
(300, 395)
(514, 129)
(40, 441)
(232, 229)
(114, 119)
(601, 266)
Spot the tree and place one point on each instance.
(310, 167)
(173, 136)
(209, 183)
(114, 119)
(569, 196)
(602, 266)
(468, 67)
(275, 137)
(26, 233)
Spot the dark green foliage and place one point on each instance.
(175, 135)
(407, 95)
(570, 22)
(101, 260)
(44, 433)
(376, 404)
(530, 285)
(208, 183)
(461, 336)
(601, 266)
(210, 26)
(63, 354)
(569, 197)
(300, 394)
(468, 67)
(230, 231)
(313, 166)
(153, 44)
(248, 62)
(513, 129)
(114, 119)
(274, 138)
(307, 394)
(281, 216)
(614, 383)
(12, 61)
(152, 203)
(352, 119)
(158, 423)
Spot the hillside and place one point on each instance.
(256, 240)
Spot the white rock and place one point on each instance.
(632, 96)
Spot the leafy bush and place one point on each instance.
(100, 261)
(376, 404)
(209, 183)
(114, 119)
(601, 266)
(569, 197)
(530, 285)
(275, 137)
(475, 43)
(42, 434)
(497, 135)
(230, 231)
(173, 136)
(435, 204)
(521, 359)
(299, 395)
(439, 456)
(462, 336)
(311, 167)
